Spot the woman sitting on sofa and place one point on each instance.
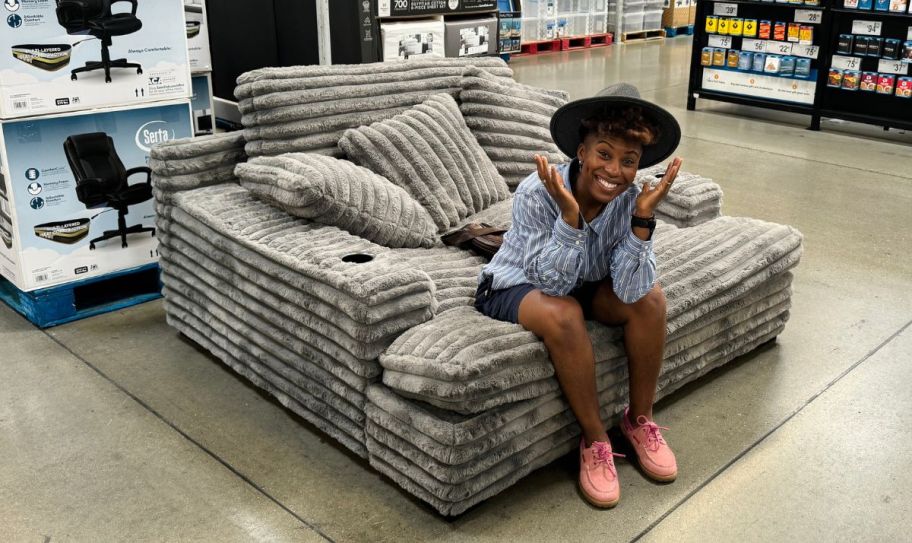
(580, 248)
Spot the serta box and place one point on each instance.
(67, 55)
(197, 35)
(77, 192)
(203, 114)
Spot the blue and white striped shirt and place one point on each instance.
(543, 250)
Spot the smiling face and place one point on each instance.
(608, 165)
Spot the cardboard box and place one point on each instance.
(45, 67)
(197, 36)
(471, 37)
(413, 39)
(48, 231)
(510, 35)
(201, 104)
(692, 17)
(677, 14)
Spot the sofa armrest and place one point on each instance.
(692, 200)
(187, 164)
(347, 290)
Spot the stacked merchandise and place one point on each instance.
(631, 16)
(200, 66)
(300, 109)
(853, 53)
(552, 19)
(99, 88)
(679, 13)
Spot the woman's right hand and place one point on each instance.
(554, 184)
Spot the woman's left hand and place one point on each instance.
(650, 196)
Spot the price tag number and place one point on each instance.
(846, 63)
(867, 28)
(756, 46)
(725, 10)
(723, 42)
(811, 16)
(893, 67)
(807, 51)
(784, 49)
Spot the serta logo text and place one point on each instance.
(153, 133)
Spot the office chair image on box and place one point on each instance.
(94, 17)
(102, 181)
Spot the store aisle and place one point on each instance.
(163, 441)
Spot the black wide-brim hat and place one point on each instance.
(566, 121)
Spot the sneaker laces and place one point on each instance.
(604, 455)
(654, 438)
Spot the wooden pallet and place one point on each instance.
(80, 299)
(687, 30)
(585, 42)
(643, 35)
(536, 47)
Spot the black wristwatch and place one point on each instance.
(640, 222)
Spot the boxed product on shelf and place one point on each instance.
(907, 51)
(79, 191)
(851, 80)
(423, 8)
(470, 37)
(403, 40)
(899, 6)
(735, 26)
(868, 82)
(750, 28)
(201, 104)
(881, 5)
(835, 78)
(197, 35)
(510, 33)
(845, 43)
(892, 49)
(764, 30)
(67, 58)
(885, 83)
(904, 87)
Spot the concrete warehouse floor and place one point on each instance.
(115, 428)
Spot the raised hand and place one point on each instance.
(649, 197)
(554, 184)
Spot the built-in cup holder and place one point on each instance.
(357, 258)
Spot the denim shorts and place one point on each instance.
(503, 304)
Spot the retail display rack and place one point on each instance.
(849, 59)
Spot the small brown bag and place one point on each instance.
(482, 238)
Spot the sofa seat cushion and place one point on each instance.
(511, 121)
(466, 362)
(454, 461)
(338, 193)
(430, 152)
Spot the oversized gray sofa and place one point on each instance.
(379, 346)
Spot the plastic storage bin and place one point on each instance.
(577, 24)
(632, 22)
(598, 6)
(598, 23)
(530, 29)
(652, 20)
(634, 6)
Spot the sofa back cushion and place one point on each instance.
(430, 152)
(338, 193)
(511, 121)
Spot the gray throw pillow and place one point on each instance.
(430, 152)
(338, 193)
(511, 121)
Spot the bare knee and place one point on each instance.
(567, 320)
(652, 305)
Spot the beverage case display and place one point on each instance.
(76, 200)
(66, 56)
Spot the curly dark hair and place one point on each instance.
(627, 122)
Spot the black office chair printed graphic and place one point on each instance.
(102, 181)
(94, 17)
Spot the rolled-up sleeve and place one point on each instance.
(554, 252)
(633, 268)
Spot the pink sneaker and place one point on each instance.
(654, 455)
(598, 479)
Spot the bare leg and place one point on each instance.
(559, 322)
(644, 341)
